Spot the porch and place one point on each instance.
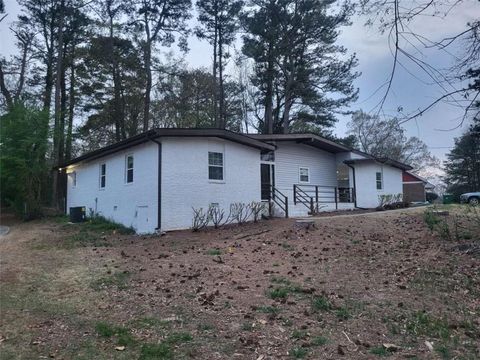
(308, 199)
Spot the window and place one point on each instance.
(103, 175)
(129, 169)
(267, 156)
(304, 175)
(215, 166)
(73, 175)
(379, 178)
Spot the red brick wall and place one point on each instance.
(413, 192)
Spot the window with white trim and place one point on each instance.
(379, 180)
(103, 176)
(73, 176)
(129, 169)
(304, 174)
(215, 166)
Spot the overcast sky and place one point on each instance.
(410, 88)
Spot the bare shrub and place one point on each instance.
(200, 219)
(257, 209)
(216, 215)
(240, 212)
(391, 201)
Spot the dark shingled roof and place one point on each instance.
(259, 141)
(384, 160)
(308, 139)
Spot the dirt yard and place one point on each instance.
(354, 287)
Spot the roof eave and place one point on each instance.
(159, 133)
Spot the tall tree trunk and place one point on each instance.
(286, 112)
(71, 107)
(56, 130)
(3, 88)
(50, 45)
(47, 95)
(290, 70)
(222, 117)
(268, 125)
(215, 84)
(118, 114)
(63, 113)
(148, 72)
(25, 48)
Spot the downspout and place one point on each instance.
(354, 187)
(159, 200)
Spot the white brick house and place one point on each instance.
(153, 180)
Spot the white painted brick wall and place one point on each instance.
(367, 193)
(132, 204)
(185, 182)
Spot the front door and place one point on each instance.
(267, 179)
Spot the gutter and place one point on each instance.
(159, 189)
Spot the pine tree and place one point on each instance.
(219, 19)
(301, 72)
(462, 167)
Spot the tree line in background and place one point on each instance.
(90, 73)
(462, 166)
(100, 70)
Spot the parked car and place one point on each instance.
(472, 198)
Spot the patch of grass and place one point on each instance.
(104, 329)
(214, 252)
(123, 335)
(149, 322)
(278, 293)
(343, 313)
(287, 246)
(268, 309)
(282, 292)
(298, 352)
(178, 338)
(60, 219)
(84, 238)
(164, 349)
(318, 341)
(156, 351)
(118, 279)
(379, 351)
(299, 334)
(443, 351)
(227, 305)
(422, 323)
(205, 327)
(247, 326)
(101, 224)
(321, 303)
(430, 219)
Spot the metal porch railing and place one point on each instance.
(313, 195)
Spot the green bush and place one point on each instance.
(24, 169)
(98, 223)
